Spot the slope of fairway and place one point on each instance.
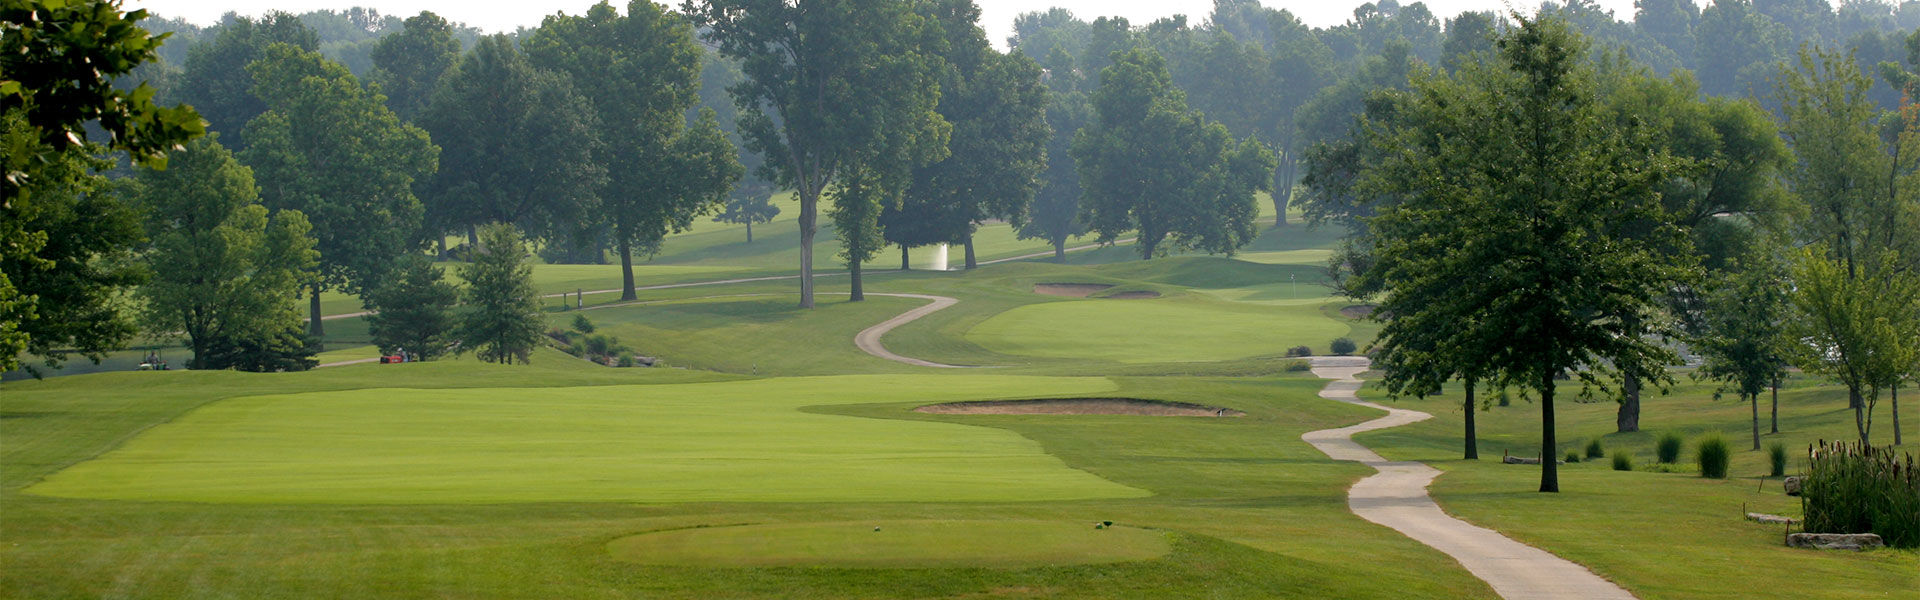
(721, 442)
(1169, 330)
(894, 543)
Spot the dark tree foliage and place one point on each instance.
(413, 310)
(85, 262)
(408, 64)
(502, 322)
(1055, 215)
(749, 204)
(217, 81)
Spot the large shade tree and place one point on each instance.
(408, 64)
(826, 81)
(333, 151)
(641, 74)
(1511, 180)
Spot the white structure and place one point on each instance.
(937, 259)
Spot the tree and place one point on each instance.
(826, 81)
(1737, 48)
(641, 74)
(226, 272)
(1670, 22)
(1742, 341)
(333, 151)
(502, 323)
(1855, 324)
(749, 204)
(408, 64)
(217, 81)
(1055, 215)
(54, 84)
(413, 310)
(517, 145)
(1505, 246)
(1149, 165)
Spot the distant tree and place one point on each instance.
(1469, 38)
(1671, 23)
(408, 64)
(1743, 341)
(413, 310)
(217, 81)
(1504, 247)
(518, 145)
(225, 272)
(54, 85)
(641, 74)
(331, 150)
(1149, 165)
(864, 74)
(1055, 215)
(1040, 33)
(749, 204)
(1738, 48)
(502, 322)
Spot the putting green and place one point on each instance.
(743, 441)
(894, 544)
(1170, 330)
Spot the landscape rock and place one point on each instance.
(1835, 541)
(1771, 519)
(1521, 460)
(1792, 484)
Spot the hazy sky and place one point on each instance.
(997, 15)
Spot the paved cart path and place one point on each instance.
(1397, 497)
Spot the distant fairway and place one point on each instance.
(718, 442)
(1169, 330)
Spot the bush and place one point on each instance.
(1342, 346)
(1623, 461)
(1777, 459)
(626, 360)
(1714, 456)
(1854, 488)
(1667, 450)
(1573, 456)
(1595, 450)
(582, 324)
(1296, 366)
(1298, 351)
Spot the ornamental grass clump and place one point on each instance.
(1777, 459)
(1856, 488)
(1667, 450)
(1623, 461)
(1573, 456)
(1714, 456)
(1595, 450)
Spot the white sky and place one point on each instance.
(996, 15)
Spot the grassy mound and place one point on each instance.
(719, 442)
(1153, 331)
(894, 543)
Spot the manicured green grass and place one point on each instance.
(895, 544)
(1661, 535)
(715, 442)
(1159, 330)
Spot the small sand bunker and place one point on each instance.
(1134, 295)
(1357, 311)
(1080, 406)
(1069, 290)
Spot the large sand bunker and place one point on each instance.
(1082, 290)
(1080, 406)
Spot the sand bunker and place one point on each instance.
(1080, 406)
(1069, 290)
(1357, 311)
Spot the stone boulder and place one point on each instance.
(1771, 519)
(1792, 485)
(1835, 541)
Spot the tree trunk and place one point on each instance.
(1896, 414)
(971, 263)
(199, 352)
(1859, 413)
(1755, 401)
(809, 218)
(473, 239)
(1776, 405)
(1060, 250)
(626, 269)
(440, 244)
(858, 294)
(1473, 444)
(749, 231)
(315, 327)
(1283, 189)
(1628, 419)
(905, 264)
(1549, 469)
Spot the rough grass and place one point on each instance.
(1165, 330)
(895, 544)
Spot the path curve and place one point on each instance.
(869, 339)
(1397, 498)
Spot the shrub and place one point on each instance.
(1855, 488)
(1714, 456)
(1777, 459)
(1298, 351)
(1667, 450)
(626, 360)
(1573, 456)
(1623, 461)
(581, 324)
(1342, 346)
(1595, 450)
(1296, 366)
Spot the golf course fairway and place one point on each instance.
(741, 441)
(894, 544)
(1162, 330)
